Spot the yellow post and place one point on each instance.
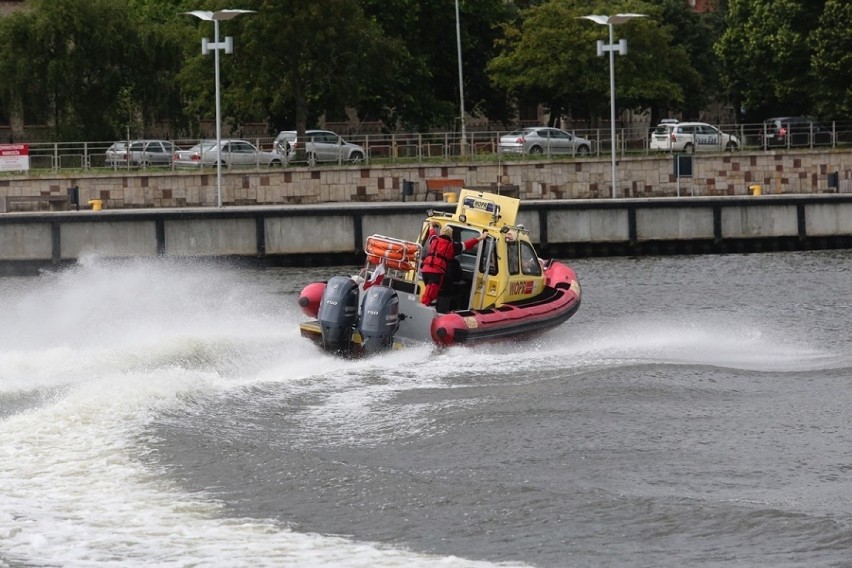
(755, 189)
(97, 204)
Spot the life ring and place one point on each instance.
(397, 264)
(388, 253)
(392, 250)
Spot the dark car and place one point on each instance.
(789, 131)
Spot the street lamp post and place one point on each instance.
(461, 80)
(228, 46)
(621, 48)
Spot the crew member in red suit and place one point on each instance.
(442, 251)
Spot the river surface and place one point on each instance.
(694, 412)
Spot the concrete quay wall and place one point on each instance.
(778, 173)
(328, 234)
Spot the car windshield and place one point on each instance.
(662, 128)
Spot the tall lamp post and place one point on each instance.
(621, 48)
(216, 46)
(461, 79)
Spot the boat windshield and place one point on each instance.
(467, 259)
(485, 261)
(529, 260)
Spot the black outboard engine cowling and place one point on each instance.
(338, 313)
(379, 318)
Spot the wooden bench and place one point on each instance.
(56, 202)
(439, 185)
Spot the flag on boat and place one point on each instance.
(376, 277)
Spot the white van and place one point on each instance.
(673, 136)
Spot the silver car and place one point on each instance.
(230, 153)
(115, 154)
(544, 140)
(150, 153)
(318, 146)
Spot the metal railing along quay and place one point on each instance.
(431, 148)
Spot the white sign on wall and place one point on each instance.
(14, 157)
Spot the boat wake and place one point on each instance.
(89, 357)
(583, 347)
(692, 340)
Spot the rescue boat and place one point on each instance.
(500, 289)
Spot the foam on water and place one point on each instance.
(99, 350)
(676, 339)
(699, 339)
(351, 401)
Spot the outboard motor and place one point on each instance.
(379, 319)
(338, 312)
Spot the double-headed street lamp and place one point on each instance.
(621, 48)
(228, 46)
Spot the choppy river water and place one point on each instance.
(693, 413)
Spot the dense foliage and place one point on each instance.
(549, 55)
(97, 69)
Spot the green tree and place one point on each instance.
(549, 56)
(157, 57)
(482, 28)
(82, 64)
(425, 93)
(402, 96)
(831, 44)
(21, 93)
(696, 34)
(293, 62)
(87, 68)
(765, 55)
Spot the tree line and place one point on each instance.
(95, 69)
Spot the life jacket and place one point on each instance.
(440, 255)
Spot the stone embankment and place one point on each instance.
(777, 173)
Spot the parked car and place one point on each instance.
(318, 146)
(688, 137)
(543, 140)
(231, 153)
(140, 153)
(115, 154)
(794, 131)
